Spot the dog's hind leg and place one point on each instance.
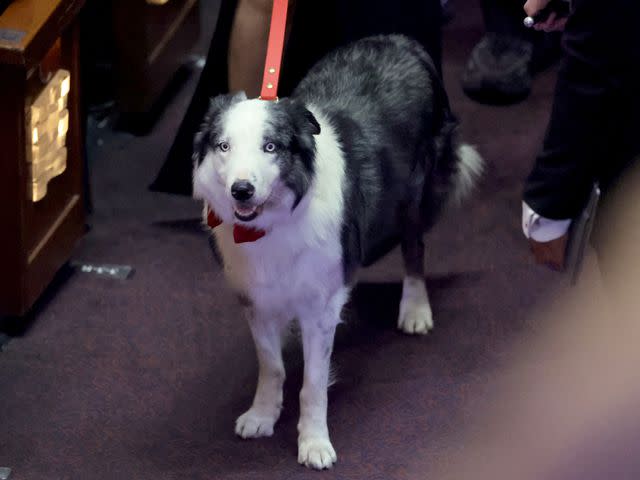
(415, 312)
(259, 420)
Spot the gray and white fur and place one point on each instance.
(362, 157)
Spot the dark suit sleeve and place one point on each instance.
(580, 145)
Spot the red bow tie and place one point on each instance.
(240, 234)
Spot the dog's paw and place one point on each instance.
(415, 316)
(415, 312)
(316, 452)
(254, 424)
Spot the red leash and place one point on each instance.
(269, 92)
(275, 47)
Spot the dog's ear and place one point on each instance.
(305, 127)
(311, 122)
(217, 106)
(302, 118)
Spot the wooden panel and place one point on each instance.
(54, 225)
(163, 24)
(152, 42)
(12, 187)
(36, 239)
(41, 21)
(28, 17)
(39, 216)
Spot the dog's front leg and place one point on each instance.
(259, 420)
(314, 447)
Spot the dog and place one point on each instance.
(363, 156)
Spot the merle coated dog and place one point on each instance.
(364, 155)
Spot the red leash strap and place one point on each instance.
(275, 47)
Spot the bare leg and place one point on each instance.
(248, 44)
(259, 420)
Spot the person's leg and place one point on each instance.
(248, 45)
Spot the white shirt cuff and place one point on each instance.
(542, 229)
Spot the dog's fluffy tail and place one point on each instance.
(468, 170)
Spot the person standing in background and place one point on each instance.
(593, 134)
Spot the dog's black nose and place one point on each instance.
(242, 190)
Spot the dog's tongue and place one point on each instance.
(241, 234)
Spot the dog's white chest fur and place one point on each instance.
(277, 275)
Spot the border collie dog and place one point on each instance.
(362, 157)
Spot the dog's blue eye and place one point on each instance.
(223, 146)
(270, 147)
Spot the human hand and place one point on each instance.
(552, 254)
(552, 24)
(532, 7)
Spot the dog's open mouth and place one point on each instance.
(246, 214)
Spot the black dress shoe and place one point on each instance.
(498, 70)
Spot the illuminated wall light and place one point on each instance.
(61, 162)
(52, 165)
(35, 115)
(61, 141)
(39, 191)
(49, 124)
(65, 87)
(63, 124)
(52, 125)
(53, 95)
(35, 154)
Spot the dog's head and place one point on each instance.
(254, 160)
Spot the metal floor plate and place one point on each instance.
(120, 272)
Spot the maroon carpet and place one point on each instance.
(143, 378)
